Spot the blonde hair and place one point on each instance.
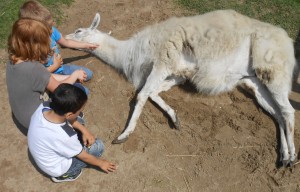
(29, 40)
(35, 10)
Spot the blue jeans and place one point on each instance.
(96, 150)
(68, 69)
(86, 90)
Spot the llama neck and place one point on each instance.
(113, 52)
(131, 57)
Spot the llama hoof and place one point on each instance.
(287, 163)
(177, 123)
(117, 141)
(292, 163)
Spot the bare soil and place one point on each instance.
(227, 142)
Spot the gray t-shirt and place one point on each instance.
(25, 83)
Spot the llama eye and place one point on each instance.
(78, 31)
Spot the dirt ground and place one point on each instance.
(227, 143)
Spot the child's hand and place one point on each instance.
(88, 138)
(107, 166)
(91, 46)
(57, 61)
(81, 75)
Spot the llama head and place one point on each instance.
(91, 34)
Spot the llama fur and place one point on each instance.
(216, 51)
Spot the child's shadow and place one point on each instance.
(35, 165)
(21, 128)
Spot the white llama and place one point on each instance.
(216, 51)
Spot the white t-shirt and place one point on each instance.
(52, 145)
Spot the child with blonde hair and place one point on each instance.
(35, 10)
(26, 77)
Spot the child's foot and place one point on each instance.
(66, 178)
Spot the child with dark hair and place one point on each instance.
(53, 142)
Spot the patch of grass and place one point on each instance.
(9, 10)
(283, 13)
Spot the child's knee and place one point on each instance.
(96, 148)
(89, 74)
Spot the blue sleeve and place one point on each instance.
(56, 35)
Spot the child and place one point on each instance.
(54, 143)
(34, 10)
(26, 77)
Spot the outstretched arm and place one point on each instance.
(103, 164)
(76, 44)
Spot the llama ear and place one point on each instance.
(95, 22)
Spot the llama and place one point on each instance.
(216, 51)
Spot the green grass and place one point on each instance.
(9, 13)
(283, 13)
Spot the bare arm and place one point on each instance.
(105, 165)
(76, 75)
(53, 83)
(71, 79)
(57, 62)
(76, 44)
(59, 77)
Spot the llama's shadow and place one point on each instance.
(296, 79)
(296, 88)
(188, 87)
(72, 59)
(297, 52)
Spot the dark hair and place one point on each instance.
(67, 98)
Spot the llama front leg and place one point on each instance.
(165, 86)
(153, 82)
(159, 101)
(266, 100)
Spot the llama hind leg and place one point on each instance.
(266, 100)
(165, 86)
(280, 95)
(153, 82)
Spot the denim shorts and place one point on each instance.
(86, 90)
(96, 150)
(68, 69)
